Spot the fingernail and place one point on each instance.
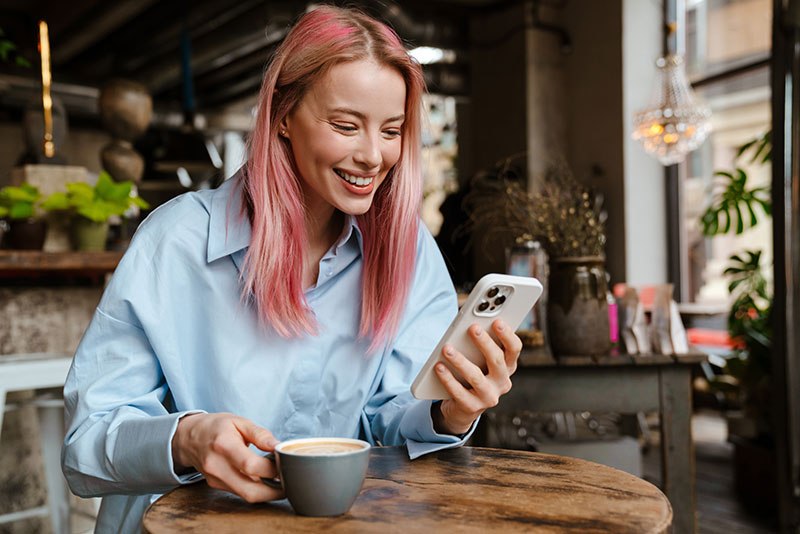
(476, 330)
(448, 351)
(501, 325)
(440, 367)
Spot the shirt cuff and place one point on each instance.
(148, 450)
(421, 438)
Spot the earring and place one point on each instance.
(283, 133)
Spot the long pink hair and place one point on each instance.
(273, 199)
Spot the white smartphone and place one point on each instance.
(495, 295)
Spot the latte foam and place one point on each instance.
(320, 448)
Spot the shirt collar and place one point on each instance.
(229, 229)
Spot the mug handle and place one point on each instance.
(272, 482)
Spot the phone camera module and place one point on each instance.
(492, 292)
(499, 300)
(482, 307)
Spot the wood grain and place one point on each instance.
(536, 358)
(467, 490)
(30, 260)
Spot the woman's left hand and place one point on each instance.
(459, 412)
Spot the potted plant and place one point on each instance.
(19, 205)
(93, 206)
(566, 219)
(747, 377)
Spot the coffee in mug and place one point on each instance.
(321, 476)
(322, 447)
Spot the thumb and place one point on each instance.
(258, 436)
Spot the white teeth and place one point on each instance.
(355, 180)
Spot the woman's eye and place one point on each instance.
(392, 133)
(343, 127)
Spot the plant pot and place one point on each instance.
(89, 235)
(755, 475)
(577, 306)
(26, 234)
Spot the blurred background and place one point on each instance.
(161, 96)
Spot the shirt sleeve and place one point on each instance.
(117, 402)
(393, 416)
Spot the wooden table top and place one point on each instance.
(465, 490)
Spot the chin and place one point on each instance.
(355, 208)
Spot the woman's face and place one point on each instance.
(346, 134)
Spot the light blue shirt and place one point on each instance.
(172, 336)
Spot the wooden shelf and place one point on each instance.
(15, 263)
(537, 358)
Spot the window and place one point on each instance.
(727, 49)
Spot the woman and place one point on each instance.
(298, 299)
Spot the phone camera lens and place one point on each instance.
(499, 300)
(492, 292)
(482, 306)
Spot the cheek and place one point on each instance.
(323, 150)
(391, 154)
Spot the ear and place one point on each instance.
(283, 128)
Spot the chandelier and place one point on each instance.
(674, 124)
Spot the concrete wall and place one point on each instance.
(82, 147)
(529, 96)
(497, 117)
(594, 114)
(34, 320)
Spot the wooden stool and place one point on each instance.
(20, 372)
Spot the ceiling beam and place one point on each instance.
(94, 28)
(252, 31)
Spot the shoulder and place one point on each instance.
(427, 250)
(183, 216)
(182, 221)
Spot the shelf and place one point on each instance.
(22, 263)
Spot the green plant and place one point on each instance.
(99, 202)
(749, 320)
(8, 50)
(727, 204)
(19, 202)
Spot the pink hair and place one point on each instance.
(273, 198)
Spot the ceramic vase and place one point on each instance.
(577, 306)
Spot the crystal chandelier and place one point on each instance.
(674, 124)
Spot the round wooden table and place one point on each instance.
(456, 490)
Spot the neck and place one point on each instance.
(322, 228)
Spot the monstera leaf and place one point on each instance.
(735, 204)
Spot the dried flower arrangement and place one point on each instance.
(565, 217)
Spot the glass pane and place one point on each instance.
(721, 34)
(740, 109)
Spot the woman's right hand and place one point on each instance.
(216, 444)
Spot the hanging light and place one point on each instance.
(674, 124)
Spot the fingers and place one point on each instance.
(464, 398)
(217, 446)
(491, 352)
(512, 344)
(258, 436)
(482, 386)
(220, 475)
(245, 461)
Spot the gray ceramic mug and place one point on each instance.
(321, 476)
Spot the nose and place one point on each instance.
(368, 152)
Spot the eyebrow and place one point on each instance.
(363, 117)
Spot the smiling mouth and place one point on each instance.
(355, 180)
